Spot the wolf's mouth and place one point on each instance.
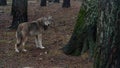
(45, 27)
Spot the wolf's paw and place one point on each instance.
(24, 50)
(16, 50)
(41, 47)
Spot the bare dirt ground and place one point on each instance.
(53, 39)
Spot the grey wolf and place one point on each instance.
(35, 28)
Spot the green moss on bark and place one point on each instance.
(83, 37)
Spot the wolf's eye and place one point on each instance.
(47, 23)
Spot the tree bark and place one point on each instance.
(108, 33)
(3, 2)
(19, 13)
(12, 8)
(97, 30)
(50, 0)
(84, 34)
(66, 4)
(56, 1)
(43, 3)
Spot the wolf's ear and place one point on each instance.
(50, 17)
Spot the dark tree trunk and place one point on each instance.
(43, 3)
(84, 35)
(19, 13)
(97, 31)
(12, 8)
(66, 3)
(108, 35)
(50, 0)
(3, 2)
(56, 1)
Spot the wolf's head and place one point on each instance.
(45, 21)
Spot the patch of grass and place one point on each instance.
(10, 53)
(3, 41)
(54, 53)
(85, 55)
(9, 0)
(7, 9)
(9, 33)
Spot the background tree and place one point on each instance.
(50, 0)
(12, 8)
(3, 2)
(66, 3)
(97, 31)
(56, 1)
(43, 3)
(19, 14)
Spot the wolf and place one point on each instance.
(35, 28)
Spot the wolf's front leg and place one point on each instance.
(40, 41)
(23, 43)
(16, 48)
(17, 45)
(36, 41)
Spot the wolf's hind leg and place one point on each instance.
(23, 43)
(17, 45)
(36, 41)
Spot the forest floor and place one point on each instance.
(53, 39)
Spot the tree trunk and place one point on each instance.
(50, 0)
(12, 8)
(108, 32)
(19, 13)
(43, 3)
(97, 30)
(3, 2)
(66, 4)
(84, 34)
(56, 1)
